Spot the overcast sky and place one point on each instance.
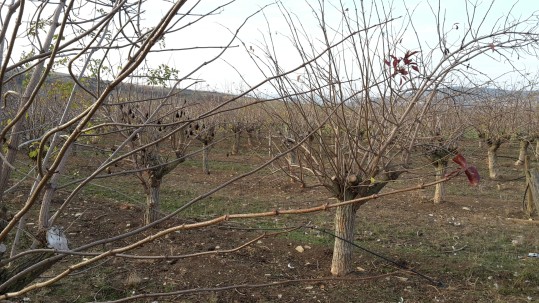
(213, 31)
(224, 74)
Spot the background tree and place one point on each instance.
(527, 115)
(247, 120)
(205, 130)
(152, 121)
(494, 121)
(440, 133)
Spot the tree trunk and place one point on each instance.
(293, 157)
(270, 143)
(205, 161)
(250, 139)
(14, 140)
(345, 223)
(44, 213)
(152, 200)
(523, 151)
(151, 180)
(439, 189)
(44, 216)
(292, 160)
(532, 181)
(236, 142)
(251, 136)
(493, 161)
(346, 189)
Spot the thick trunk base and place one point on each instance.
(493, 164)
(205, 160)
(345, 222)
(523, 152)
(531, 206)
(236, 143)
(152, 204)
(439, 189)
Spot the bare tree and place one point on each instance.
(439, 134)
(144, 116)
(59, 35)
(356, 102)
(205, 130)
(528, 118)
(248, 120)
(494, 120)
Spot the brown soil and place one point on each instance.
(456, 243)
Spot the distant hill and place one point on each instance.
(17, 81)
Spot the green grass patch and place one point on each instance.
(310, 236)
(471, 133)
(220, 166)
(126, 192)
(209, 207)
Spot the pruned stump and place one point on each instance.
(532, 201)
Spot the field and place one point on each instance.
(110, 108)
(471, 248)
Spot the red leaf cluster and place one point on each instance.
(402, 65)
(470, 171)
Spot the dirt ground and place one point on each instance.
(463, 250)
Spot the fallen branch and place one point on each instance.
(455, 250)
(526, 221)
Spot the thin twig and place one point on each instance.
(455, 250)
